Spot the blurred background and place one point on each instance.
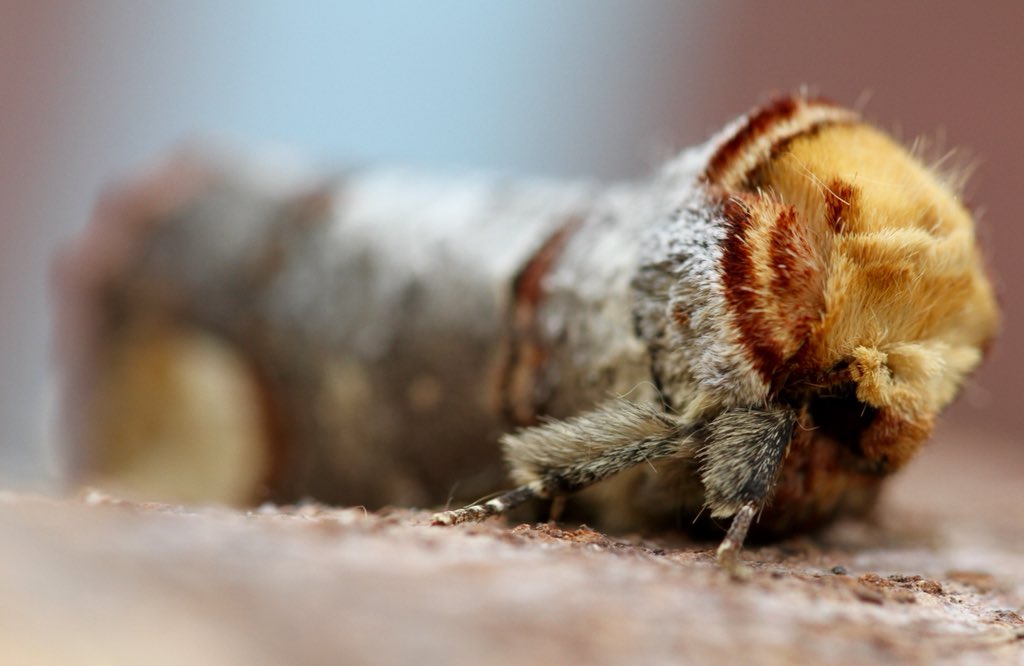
(92, 92)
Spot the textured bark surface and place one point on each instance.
(937, 578)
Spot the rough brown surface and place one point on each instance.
(937, 578)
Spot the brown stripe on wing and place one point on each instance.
(797, 289)
(774, 277)
(764, 134)
(757, 125)
(798, 274)
(521, 378)
(839, 200)
(739, 276)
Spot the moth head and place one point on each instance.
(850, 269)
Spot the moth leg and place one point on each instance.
(741, 459)
(562, 457)
(557, 508)
(729, 550)
(493, 507)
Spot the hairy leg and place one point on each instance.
(562, 457)
(741, 460)
(741, 451)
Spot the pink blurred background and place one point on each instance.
(91, 91)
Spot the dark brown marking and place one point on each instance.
(741, 290)
(757, 174)
(839, 201)
(761, 123)
(758, 124)
(788, 253)
(520, 380)
(797, 280)
(526, 287)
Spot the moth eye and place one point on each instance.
(838, 414)
(839, 369)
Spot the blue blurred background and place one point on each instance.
(92, 91)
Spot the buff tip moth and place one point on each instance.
(763, 330)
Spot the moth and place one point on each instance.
(809, 297)
(761, 332)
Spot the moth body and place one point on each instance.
(810, 297)
(766, 329)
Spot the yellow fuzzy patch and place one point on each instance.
(907, 303)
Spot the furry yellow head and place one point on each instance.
(862, 274)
